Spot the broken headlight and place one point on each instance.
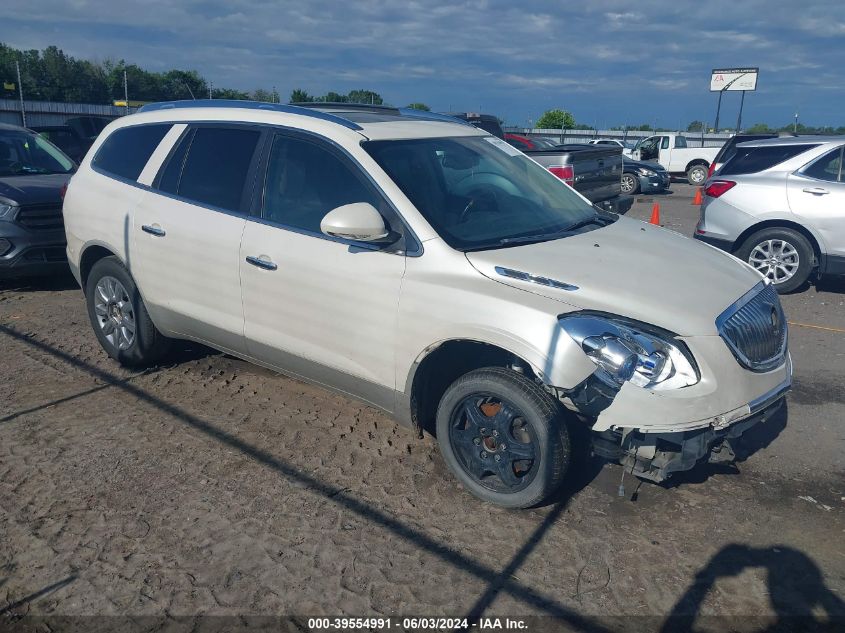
(626, 351)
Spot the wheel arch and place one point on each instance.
(776, 223)
(438, 366)
(91, 254)
(694, 162)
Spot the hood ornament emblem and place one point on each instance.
(534, 279)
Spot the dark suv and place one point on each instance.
(33, 175)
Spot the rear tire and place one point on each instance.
(782, 255)
(503, 437)
(119, 317)
(630, 184)
(696, 175)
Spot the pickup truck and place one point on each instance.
(672, 151)
(594, 171)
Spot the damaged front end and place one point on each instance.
(644, 373)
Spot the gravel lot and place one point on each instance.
(210, 486)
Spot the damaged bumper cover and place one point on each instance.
(655, 456)
(655, 434)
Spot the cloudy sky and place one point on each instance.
(609, 62)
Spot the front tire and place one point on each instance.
(696, 175)
(782, 255)
(119, 317)
(630, 184)
(504, 437)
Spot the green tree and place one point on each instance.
(229, 93)
(555, 120)
(334, 97)
(695, 126)
(259, 94)
(419, 106)
(300, 96)
(364, 96)
(759, 128)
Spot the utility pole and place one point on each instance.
(794, 125)
(126, 92)
(210, 86)
(739, 116)
(20, 92)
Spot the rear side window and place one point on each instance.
(680, 142)
(750, 160)
(828, 167)
(211, 166)
(125, 152)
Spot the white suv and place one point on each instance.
(431, 270)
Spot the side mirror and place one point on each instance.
(357, 221)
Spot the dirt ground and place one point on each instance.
(209, 486)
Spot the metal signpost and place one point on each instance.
(741, 79)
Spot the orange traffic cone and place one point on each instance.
(655, 214)
(697, 199)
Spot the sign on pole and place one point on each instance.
(722, 79)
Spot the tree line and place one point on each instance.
(53, 75)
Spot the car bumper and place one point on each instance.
(654, 184)
(719, 242)
(31, 252)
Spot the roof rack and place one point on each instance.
(250, 105)
(349, 107)
(325, 111)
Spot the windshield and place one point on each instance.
(479, 192)
(23, 153)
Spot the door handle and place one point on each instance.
(153, 230)
(261, 262)
(817, 191)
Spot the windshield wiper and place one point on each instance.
(544, 237)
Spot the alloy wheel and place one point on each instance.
(115, 314)
(777, 260)
(628, 183)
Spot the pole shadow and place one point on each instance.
(796, 589)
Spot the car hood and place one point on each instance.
(630, 162)
(33, 189)
(632, 269)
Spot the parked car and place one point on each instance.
(528, 143)
(672, 151)
(639, 176)
(430, 269)
(66, 139)
(729, 149)
(627, 148)
(33, 174)
(486, 122)
(779, 204)
(593, 171)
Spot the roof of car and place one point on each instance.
(793, 140)
(16, 128)
(373, 122)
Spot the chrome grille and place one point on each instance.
(755, 330)
(43, 217)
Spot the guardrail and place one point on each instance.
(54, 112)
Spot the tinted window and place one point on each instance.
(217, 166)
(169, 180)
(729, 148)
(680, 142)
(125, 152)
(664, 142)
(749, 160)
(828, 167)
(305, 181)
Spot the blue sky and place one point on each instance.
(608, 62)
